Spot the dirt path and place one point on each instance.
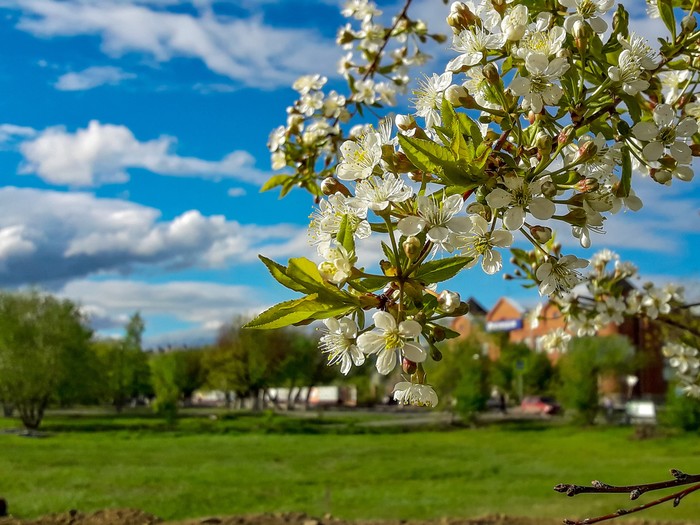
(137, 517)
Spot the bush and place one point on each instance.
(682, 412)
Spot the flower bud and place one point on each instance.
(549, 189)
(460, 17)
(587, 185)
(695, 150)
(688, 24)
(660, 176)
(448, 301)
(455, 93)
(490, 72)
(543, 142)
(565, 135)
(405, 122)
(582, 32)
(409, 367)
(462, 309)
(412, 247)
(586, 151)
(476, 208)
(331, 186)
(439, 333)
(542, 234)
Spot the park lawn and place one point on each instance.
(180, 474)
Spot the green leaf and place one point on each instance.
(667, 15)
(459, 146)
(426, 155)
(470, 128)
(442, 270)
(632, 106)
(626, 181)
(448, 114)
(374, 283)
(450, 334)
(279, 272)
(274, 181)
(345, 235)
(287, 313)
(304, 271)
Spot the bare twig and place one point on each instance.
(635, 491)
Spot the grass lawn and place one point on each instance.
(418, 474)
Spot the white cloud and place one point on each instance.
(204, 306)
(246, 50)
(101, 153)
(92, 77)
(236, 192)
(49, 237)
(11, 132)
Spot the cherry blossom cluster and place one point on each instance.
(377, 68)
(539, 120)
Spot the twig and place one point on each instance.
(635, 491)
(676, 497)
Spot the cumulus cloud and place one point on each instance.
(50, 237)
(11, 132)
(91, 78)
(246, 50)
(102, 153)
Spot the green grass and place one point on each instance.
(185, 473)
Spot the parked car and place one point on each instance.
(540, 405)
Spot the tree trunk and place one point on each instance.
(32, 414)
(8, 409)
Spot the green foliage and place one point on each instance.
(682, 411)
(581, 366)
(44, 354)
(461, 378)
(166, 374)
(536, 374)
(125, 370)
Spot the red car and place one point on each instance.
(540, 405)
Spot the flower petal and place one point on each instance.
(384, 321)
(411, 225)
(414, 352)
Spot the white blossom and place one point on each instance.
(519, 197)
(377, 194)
(308, 83)
(480, 241)
(662, 136)
(327, 219)
(514, 23)
(539, 38)
(438, 216)
(555, 341)
(360, 157)
(429, 96)
(539, 88)
(338, 264)
(628, 72)
(339, 343)
(407, 393)
(473, 44)
(390, 337)
(559, 275)
(589, 11)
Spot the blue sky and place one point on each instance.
(133, 143)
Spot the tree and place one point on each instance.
(580, 369)
(125, 366)
(44, 343)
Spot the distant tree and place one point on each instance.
(581, 366)
(518, 362)
(166, 374)
(44, 347)
(126, 372)
(461, 377)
